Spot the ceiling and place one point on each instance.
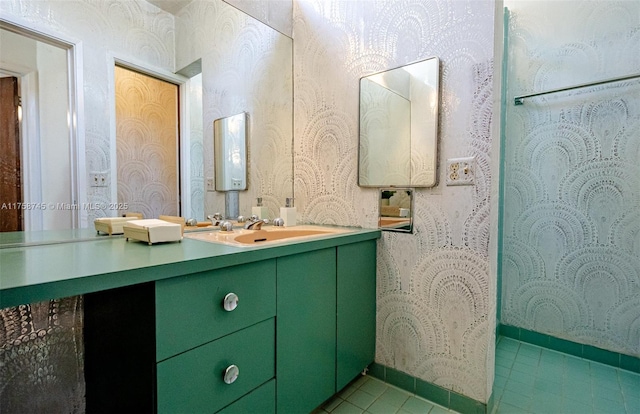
(171, 6)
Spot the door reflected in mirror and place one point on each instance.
(147, 142)
(37, 99)
(399, 126)
(396, 209)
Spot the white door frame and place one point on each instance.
(31, 156)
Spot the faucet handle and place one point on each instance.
(226, 226)
(278, 222)
(254, 217)
(242, 219)
(255, 224)
(215, 219)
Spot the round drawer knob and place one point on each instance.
(231, 374)
(230, 302)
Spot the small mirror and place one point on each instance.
(399, 126)
(396, 209)
(230, 152)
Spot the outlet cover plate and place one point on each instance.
(211, 184)
(461, 171)
(98, 179)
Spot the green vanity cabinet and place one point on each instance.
(322, 336)
(306, 330)
(197, 327)
(356, 310)
(326, 323)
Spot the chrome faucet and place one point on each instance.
(216, 219)
(254, 223)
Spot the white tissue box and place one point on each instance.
(111, 225)
(152, 231)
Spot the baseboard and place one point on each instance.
(592, 353)
(432, 392)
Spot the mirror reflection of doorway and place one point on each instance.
(46, 162)
(147, 142)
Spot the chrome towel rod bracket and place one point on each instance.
(519, 100)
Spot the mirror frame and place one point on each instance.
(33, 219)
(436, 115)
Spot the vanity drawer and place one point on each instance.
(194, 381)
(262, 400)
(190, 310)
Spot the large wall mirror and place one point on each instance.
(399, 126)
(212, 33)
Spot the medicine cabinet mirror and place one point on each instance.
(396, 209)
(399, 126)
(230, 152)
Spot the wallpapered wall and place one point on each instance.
(436, 298)
(572, 197)
(146, 143)
(275, 13)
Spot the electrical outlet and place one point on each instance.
(99, 179)
(461, 171)
(211, 184)
(236, 183)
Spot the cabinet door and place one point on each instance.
(356, 319)
(306, 330)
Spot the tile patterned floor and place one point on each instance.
(531, 379)
(369, 395)
(528, 380)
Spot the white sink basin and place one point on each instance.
(266, 235)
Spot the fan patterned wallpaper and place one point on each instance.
(571, 264)
(275, 13)
(436, 298)
(146, 144)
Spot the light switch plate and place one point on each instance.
(461, 171)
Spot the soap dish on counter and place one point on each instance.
(152, 231)
(112, 225)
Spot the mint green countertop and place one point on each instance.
(78, 265)
(29, 238)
